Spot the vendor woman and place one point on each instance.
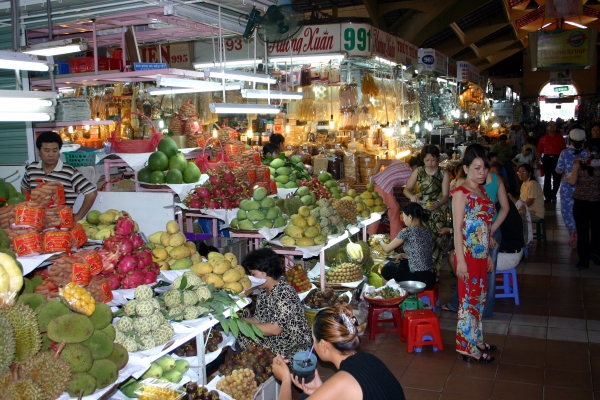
(279, 313)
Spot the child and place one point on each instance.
(525, 157)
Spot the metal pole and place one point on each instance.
(95, 47)
(14, 9)
(49, 11)
(123, 45)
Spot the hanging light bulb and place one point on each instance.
(417, 129)
(410, 124)
(403, 130)
(466, 115)
(70, 129)
(250, 134)
(493, 114)
(331, 124)
(215, 133)
(388, 131)
(287, 129)
(86, 127)
(161, 124)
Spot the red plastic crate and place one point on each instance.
(86, 64)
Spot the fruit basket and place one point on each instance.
(385, 302)
(391, 297)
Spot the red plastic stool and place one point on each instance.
(422, 328)
(374, 312)
(431, 297)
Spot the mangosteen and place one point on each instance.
(269, 370)
(259, 379)
(251, 348)
(264, 362)
(260, 352)
(180, 352)
(191, 353)
(265, 376)
(191, 387)
(222, 368)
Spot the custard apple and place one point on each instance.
(129, 308)
(142, 325)
(172, 298)
(143, 292)
(144, 308)
(124, 324)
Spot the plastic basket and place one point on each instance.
(134, 146)
(81, 158)
(236, 246)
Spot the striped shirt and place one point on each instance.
(395, 174)
(72, 180)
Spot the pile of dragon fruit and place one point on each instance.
(126, 260)
(221, 191)
(317, 187)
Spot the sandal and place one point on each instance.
(485, 358)
(445, 307)
(487, 347)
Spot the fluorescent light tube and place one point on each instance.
(308, 58)
(273, 94)
(23, 62)
(236, 63)
(19, 108)
(384, 61)
(56, 47)
(179, 90)
(19, 95)
(21, 116)
(186, 83)
(576, 24)
(237, 75)
(224, 108)
(24, 103)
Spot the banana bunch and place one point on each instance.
(354, 251)
(11, 279)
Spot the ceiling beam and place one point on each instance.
(419, 5)
(475, 49)
(420, 27)
(473, 35)
(376, 18)
(406, 17)
(499, 56)
(459, 32)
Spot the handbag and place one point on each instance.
(573, 240)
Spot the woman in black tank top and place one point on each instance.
(361, 376)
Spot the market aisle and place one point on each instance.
(548, 347)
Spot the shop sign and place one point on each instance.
(383, 45)
(467, 72)
(559, 89)
(452, 69)
(356, 39)
(433, 61)
(560, 77)
(563, 48)
(234, 48)
(175, 55)
(406, 53)
(312, 39)
(148, 66)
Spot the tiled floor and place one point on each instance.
(548, 347)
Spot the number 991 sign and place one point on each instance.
(356, 39)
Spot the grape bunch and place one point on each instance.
(298, 279)
(240, 384)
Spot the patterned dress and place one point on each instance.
(431, 190)
(565, 166)
(282, 305)
(476, 229)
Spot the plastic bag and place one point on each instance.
(350, 165)
(28, 244)
(321, 162)
(71, 268)
(55, 240)
(27, 215)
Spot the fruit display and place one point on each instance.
(322, 219)
(8, 194)
(355, 251)
(100, 226)
(165, 369)
(223, 272)
(240, 384)
(298, 278)
(285, 173)
(385, 292)
(127, 262)
(211, 341)
(346, 209)
(152, 389)
(169, 165)
(255, 358)
(171, 250)
(142, 327)
(77, 298)
(260, 212)
(222, 191)
(376, 251)
(11, 278)
(185, 300)
(312, 186)
(318, 299)
(343, 273)
(367, 202)
(195, 392)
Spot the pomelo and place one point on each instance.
(144, 174)
(178, 161)
(158, 161)
(191, 174)
(157, 177)
(168, 146)
(174, 176)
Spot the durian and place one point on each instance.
(7, 344)
(23, 389)
(81, 382)
(47, 371)
(102, 316)
(27, 336)
(78, 356)
(70, 328)
(99, 344)
(105, 372)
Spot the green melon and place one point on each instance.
(158, 161)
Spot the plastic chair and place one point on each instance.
(540, 230)
(431, 297)
(509, 285)
(421, 328)
(375, 311)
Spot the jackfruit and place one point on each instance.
(27, 336)
(71, 328)
(33, 300)
(99, 344)
(101, 317)
(7, 344)
(49, 372)
(110, 332)
(81, 382)
(119, 356)
(231, 275)
(78, 356)
(105, 372)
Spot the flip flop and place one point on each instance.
(444, 307)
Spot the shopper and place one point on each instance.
(270, 150)
(586, 206)
(279, 312)
(505, 154)
(278, 140)
(511, 248)
(596, 131)
(564, 167)
(524, 157)
(513, 195)
(51, 168)
(548, 151)
(395, 174)
(472, 212)
(531, 192)
(416, 264)
(434, 187)
(360, 376)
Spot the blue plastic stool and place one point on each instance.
(509, 285)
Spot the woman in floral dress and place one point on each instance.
(473, 211)
(433, 185)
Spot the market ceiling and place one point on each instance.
(483, 32)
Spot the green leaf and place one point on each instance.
(224, 324)
(183, 284)
(245, 329)
(234, 328)
(257, 330)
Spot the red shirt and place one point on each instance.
(395, 174)
(551, 146)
